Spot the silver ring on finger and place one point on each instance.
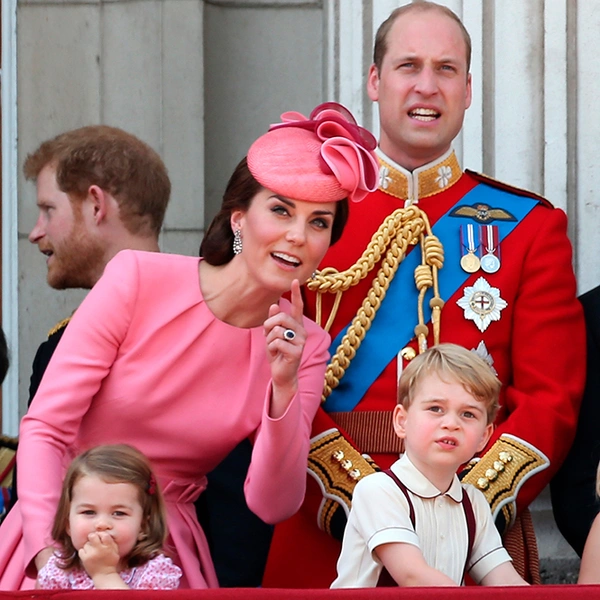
(289, 334)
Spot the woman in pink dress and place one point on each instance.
(183, 358)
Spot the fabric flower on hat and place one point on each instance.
(323, 158)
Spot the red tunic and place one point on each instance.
(537, 347)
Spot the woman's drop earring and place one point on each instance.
(237, 242)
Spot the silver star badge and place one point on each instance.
(483, 353)
(482, 304)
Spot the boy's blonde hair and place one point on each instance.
(456, 363)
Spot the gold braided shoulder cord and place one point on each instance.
(404, 227)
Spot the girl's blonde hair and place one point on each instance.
(459, 364)
(115, 463)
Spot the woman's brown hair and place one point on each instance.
(116, 463)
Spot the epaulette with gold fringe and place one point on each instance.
(509, 188)
(60, 325)
(337, 467)
(8, 451)
(502, 470)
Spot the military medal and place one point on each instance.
(490, 262)
(469, 261)
(482, 303)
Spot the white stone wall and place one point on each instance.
(261, 58)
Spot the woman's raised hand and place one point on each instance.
(286, 337)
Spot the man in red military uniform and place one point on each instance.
(457, 258)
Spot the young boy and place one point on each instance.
(417, 520)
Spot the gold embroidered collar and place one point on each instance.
(425, 181)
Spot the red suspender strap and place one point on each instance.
(469, 516)
(471, 526)
(385, 579)
(411, 508)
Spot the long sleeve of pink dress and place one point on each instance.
(145, 362)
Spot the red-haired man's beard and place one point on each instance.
(76, 261)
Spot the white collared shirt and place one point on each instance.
(380, 515)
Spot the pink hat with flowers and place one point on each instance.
(324, 158)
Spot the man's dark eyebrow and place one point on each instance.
(405, 58)
(449, 61)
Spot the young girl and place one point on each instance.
(110, 525)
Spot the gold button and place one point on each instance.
(346, 464)
(354, 474)
(408, 353)
(491, 474)
(483, 483)
(338, 455)
(505, 457)
(499, 466)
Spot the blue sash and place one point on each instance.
(394, 323)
